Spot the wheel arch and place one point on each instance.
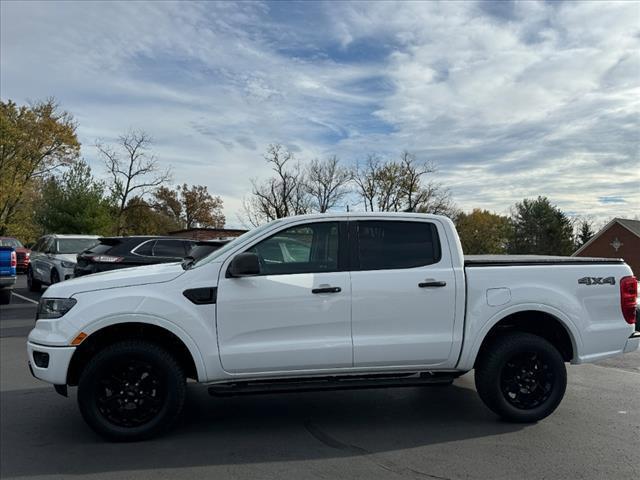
(174, 341)
(540, 320)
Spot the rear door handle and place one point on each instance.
(432, 283)
(326, 290)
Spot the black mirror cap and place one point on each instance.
(244, 265)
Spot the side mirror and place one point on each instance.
(244, 265)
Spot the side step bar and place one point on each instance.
(314, 384)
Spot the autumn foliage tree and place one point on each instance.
(35, 141)
(483, 232)
(190, 206)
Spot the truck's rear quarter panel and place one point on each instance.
(591, 313)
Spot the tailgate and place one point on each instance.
(6, 270)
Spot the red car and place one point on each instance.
(23, 254)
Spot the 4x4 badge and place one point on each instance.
(597, 281)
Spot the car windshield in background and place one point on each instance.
(10, 242)
(75, 245)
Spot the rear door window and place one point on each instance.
(145, 248)
(387, 245)
(169, 248)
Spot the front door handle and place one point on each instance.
(432, 283)
(326, 290)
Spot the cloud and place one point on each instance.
(510, 99)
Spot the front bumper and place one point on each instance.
(58, 362)
(67, 273)
(632, 342)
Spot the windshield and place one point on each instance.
(231, 245)
(10, 242)
(75, 245)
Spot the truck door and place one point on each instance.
(295, 315)
(403, 293)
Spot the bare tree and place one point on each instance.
(326, 182)
(133, 170)
(394, 186)
(280, 196)
(366, 179)
(436, 199)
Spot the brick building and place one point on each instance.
(620, 238)
(207, 233)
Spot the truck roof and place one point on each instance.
(313, 216)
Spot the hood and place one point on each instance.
(126, 277)
(67, 257)
(23, 250)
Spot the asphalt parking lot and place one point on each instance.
(423, 433)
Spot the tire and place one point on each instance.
(33, 284)
(521, 377)
(55, 276)
(5, 296)
(119, 366)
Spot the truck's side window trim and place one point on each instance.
(359, 228)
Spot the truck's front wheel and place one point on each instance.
(131, 390)
(521, 377)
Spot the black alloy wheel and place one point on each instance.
(527, 380)
(131, 390)
(130, 393)
(521, 377)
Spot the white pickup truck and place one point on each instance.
(327, 302)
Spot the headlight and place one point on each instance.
(54, 307)
(67, 264)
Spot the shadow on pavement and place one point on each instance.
(43, 433)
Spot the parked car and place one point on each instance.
(53, 258)
(7, 273)
(112, 253)
(23, 254)
(327, 302)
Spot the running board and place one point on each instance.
(313, 384)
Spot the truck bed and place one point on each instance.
(533, 260)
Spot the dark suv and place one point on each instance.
(113, 253)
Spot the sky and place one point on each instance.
(508, 99)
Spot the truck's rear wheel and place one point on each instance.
(521, 377)
(131, 390)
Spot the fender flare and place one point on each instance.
(182, 335)
(469, 354)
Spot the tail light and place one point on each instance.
(628, 298)
(14, 259)
(106, 258)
